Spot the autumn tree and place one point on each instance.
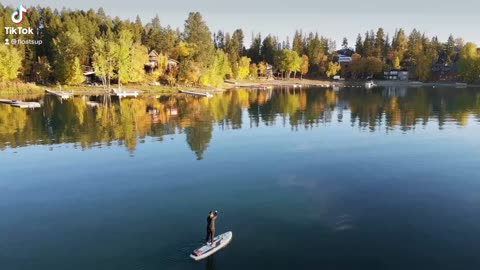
(373, 65)
(294, 63)
(76, 73)
(123, 55)
(253, 71)
(104, 59)
(305, 66)
(10, 63)
(400, 44)
(469, 65)
(333, 69)
(379, 43)
(356, 66)
(189, 71)
(262, 69)
(68, 51)
(243, 68)
(218, 71)
(138, 58)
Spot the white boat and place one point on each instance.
(370, 84)
(219, 242)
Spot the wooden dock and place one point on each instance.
(197, 94)
(231, 82)
(256, 87)
(21, 104)
(61, 94)
(125, 93)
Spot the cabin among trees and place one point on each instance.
(172, 65)
(445, 70)
(89, 74)
(153, 63)
(345, 56)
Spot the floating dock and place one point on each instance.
(197, 94)
(61, 94)
(256, 87)
(125, 93)
(21, 104)
(231, 82)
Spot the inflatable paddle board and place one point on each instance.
(219, 242)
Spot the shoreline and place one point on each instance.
(384, 83)
(29, 89)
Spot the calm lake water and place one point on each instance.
(305, 179)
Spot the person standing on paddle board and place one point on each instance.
(211, 226)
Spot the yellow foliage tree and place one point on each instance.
(243, 68)
(262, 68)
(76, 76)
(333, 69)
(305, 66)
(10, 63)
(183, 49)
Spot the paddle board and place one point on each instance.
(219, 242)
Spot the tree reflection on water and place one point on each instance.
(97, 121)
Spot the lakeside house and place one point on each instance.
(396, 75)
(344, 59)
(172, 64)
(152, 63)
(269, 71)
(89, 75)
(445, 70)
(345, 56)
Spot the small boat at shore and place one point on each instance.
(370, 84)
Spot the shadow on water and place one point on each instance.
(210, 264)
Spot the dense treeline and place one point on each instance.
(118, 50)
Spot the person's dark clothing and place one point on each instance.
(211, 222)
(210, 228)
(210, 235)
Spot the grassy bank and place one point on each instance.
(19, 88)
(13, 88)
